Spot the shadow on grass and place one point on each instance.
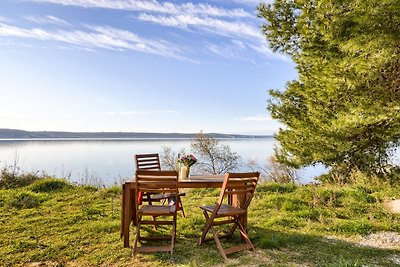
(275, 248)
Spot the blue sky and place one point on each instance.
(143, 66)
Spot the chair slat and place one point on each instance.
(153, 178)
(157, 191)
(237, 248)
(157, 222)
(237, 192)
(155, 159)
(149, 164)
(154, 249)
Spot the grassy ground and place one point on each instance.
(53, 223)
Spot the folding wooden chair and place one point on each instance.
(237, 192)
(152, 162)
(156, 182)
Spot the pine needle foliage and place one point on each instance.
(344, 109)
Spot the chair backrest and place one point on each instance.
(147, 162)
(157, 182)
(238, 189)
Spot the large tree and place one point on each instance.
(344, 109)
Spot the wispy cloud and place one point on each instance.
(98, 37)
(154, 6)
(134, 112)
(48, 19)
(251, 2)
(232, 50)
(241, 35)
(217, 26)
(258, 117)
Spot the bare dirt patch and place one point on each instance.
(389, 240)
(393, 206)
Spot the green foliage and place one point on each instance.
(10, 177)
(354, 227)
(25, 200)
(343, 111)
(277, 187)
(48, 185)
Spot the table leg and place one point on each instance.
(122, 212)
(239, 200)
(126, 212)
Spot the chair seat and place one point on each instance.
(225, 210)
(156, 210)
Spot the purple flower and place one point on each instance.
(187, 160)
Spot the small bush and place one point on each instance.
(2, 200)
(10, 178)
(276, 187)
(283, 221)
(293, 205)
(25, 200)
(48, 185)
(113, 191)
(327, 197)
(90, 188)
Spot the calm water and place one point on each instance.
(108, 162)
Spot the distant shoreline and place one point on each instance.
(122, 139)
(20, 135)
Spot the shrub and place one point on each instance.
(48, 185)
(311, 214)
(327, 196)
(276, 187)
(2, 200)
(113, 191)
(25, 200)
(293, 205)
(10, 178)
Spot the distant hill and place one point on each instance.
(21, 134)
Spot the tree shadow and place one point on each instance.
(277, 248)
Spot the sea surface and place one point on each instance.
(111, 161)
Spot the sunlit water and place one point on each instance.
(108, 162)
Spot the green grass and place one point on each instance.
(58, 224)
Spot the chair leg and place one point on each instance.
(206, 228)
(154, 225)
(218, 243)
(214, 233)
(245, 235)
(181, 206)
(137, 237)
(173, 234)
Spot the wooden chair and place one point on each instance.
(156, 182)
(152, 162)
(237, 192)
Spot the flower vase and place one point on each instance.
(184, 172)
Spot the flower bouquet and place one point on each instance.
(185, 162)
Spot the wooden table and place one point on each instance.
(128, 211)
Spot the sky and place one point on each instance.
(137, 66)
